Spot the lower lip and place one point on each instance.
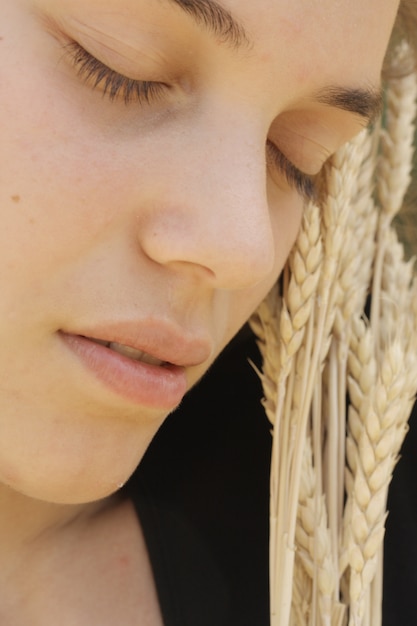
(153, 386)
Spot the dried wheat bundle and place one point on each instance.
(332, 460)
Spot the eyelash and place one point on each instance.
(115, 85)
(298, 180)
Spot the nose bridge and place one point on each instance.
(214, 213)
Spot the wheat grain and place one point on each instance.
(379, 394)
(301, 600)
(395, 163)
(312, 319)
(313, 540)
(394, 168)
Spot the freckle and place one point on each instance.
(124, 561)
(16, 198)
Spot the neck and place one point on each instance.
(26, 523)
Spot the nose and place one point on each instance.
(210, 213)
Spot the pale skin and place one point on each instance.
(113, 212)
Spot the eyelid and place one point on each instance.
(113, 83)
(310, 137)
(300, 181)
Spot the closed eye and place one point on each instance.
(298, 180)
(112, 84)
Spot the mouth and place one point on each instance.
(137, 375)
(129, 352)
(153, 342)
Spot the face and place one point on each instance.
(152, 172)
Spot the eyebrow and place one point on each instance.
(367, 102)
(216, 19)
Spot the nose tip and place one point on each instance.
(230, 248)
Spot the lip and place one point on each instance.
(144, 384)
(162, 339)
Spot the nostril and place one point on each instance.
(231, 257)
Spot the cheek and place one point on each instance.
(285, 223)
(51, 161)
(286, 216)
(57, 191)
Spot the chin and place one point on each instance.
(66, 483)
(63, 493)
(74, 464)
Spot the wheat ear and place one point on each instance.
(380, 397)
(353, 284)
(290, 317)
(313, 542)
(395, 163)
(295, 338)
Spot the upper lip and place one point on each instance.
(161, 339)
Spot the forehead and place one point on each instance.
(320, 37)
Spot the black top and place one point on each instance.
(202, 494)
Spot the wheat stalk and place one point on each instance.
(292, 315)
(312, 325)
(354, 277)
(315, 341)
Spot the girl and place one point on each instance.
(155, 160)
